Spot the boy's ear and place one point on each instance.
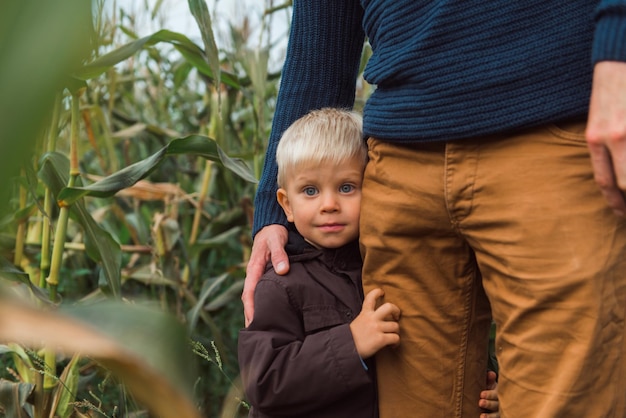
(283, 201)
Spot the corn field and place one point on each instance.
(129, 166)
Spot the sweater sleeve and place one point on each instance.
(320, 70)
(286, 373)
(610, 35)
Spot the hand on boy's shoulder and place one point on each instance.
(269, 245)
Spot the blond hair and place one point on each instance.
(327, 135)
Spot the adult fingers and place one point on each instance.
(254, 270)
(276, 239)
(269, 244)
(605, 177)
(606, 131)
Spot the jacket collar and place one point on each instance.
(342, 259)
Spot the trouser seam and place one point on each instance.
(460, 377)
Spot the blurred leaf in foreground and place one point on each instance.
(146, 349)
(41, 43)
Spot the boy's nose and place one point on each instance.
(330, 203)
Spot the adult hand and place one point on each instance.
(375, 328)
(606, 132)
(269, 244)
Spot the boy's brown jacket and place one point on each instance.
(297, 357)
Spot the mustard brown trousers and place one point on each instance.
(512, 228)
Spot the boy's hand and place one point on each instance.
(269, 244)
(375, 328)
(489, 397)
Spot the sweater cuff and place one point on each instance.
(610, 37)
(267, 211)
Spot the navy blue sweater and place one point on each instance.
(443, 69)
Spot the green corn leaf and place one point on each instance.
(23, 363)
(208, 66)
(13, 398)
(208, 288)
(65, 393)
(220, 240)
(10, 272)
(232, 293)
(200, 12)
(195, 144)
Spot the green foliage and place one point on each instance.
(131, 164)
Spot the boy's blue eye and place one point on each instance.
(310, 191)
(346, 188)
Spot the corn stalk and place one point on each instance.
(64, 212)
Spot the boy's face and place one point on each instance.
(324, 202)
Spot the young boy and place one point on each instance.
(309, 350)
